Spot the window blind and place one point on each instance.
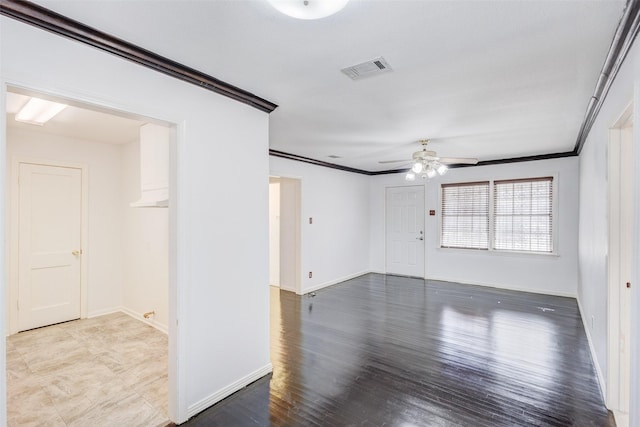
(523, 215)
(465, 215)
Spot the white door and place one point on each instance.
(626, 243)
(405, 231)
(621, 234)
(50, 206)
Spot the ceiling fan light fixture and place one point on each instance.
(309, 9)
(427, 164)
(441, 169)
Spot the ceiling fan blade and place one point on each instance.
(393, 161)
(458, 161)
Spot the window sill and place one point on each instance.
(493, 252)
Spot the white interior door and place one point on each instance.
(626, 220)
(50, 219)
(620, 267)
(405, 231)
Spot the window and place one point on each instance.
(520, 217)
(465, 215)
(523, 215)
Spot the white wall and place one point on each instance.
(593, 245)
(104, 252)
(552, 274)
(145, 250)
(128, 248)
(336, 246)
(209, 213)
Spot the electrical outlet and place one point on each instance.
(310, 275)
(310, 220)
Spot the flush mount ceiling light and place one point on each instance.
(38, 111)
(309, 9)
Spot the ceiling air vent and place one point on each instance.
(366, 69)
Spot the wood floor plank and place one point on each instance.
(393, 351)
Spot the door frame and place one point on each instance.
(424, 226)
(274, 233)
(178, 276)
(297, 214)
(614, 273)
(14, 236)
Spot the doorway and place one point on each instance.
(284, 233)
(620, 264)
(404, 230)
(126, 248)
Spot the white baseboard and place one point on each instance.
(208, 401)
(103, 311)
(594, 356)
(507, 287)
(622, 418)
(140, 317)
(333, 282)
(135, 315)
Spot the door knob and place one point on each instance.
(419, 238)
(75, 253)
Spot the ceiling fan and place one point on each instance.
(427, 164)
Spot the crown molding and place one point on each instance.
(309, 160)
(48, 20)
(43, 18)
(282, 154)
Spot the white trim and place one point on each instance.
(178, 253)
(622, 418)
(135, 315)
(297, 261)
(463, 282)
(214, 398)
(3, 254)
(335, 282)
(179, 274)
(103, 311)
(500, 252)
(140, 317)
(594, 356)
(506, 287)
(13, 232)
(613, 292)
(615, 279)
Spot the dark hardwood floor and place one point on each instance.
(393, 351)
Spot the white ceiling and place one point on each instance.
(78, 122)
(485, 79)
